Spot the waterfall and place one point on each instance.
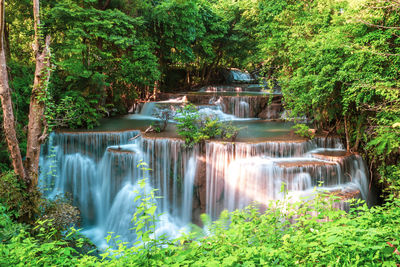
(99, 171)
(190, 176)
(235, 75)
(148, 109)
(239, 174)
(239, 106)
(222, 88)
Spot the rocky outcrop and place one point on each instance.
(271, 112)
(200, 190)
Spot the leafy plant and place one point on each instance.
(160, 126)
(14, 197)
(59, 215)
(304, 131)
(196, 128)
(74, 111)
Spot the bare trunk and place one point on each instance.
(346, 129)
(7, 43)
(359, 133)
(37, 130)
(6, 104)
(203, 73)
(187, 78)
(106, 4)
(155, 90)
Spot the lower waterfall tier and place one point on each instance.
(101, 172)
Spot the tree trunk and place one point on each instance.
(37, 130)
(7, 43)
(6, 103)
(155, 90)
(346, 129)
(213, 66)
(359, 134)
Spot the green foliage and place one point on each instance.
(13, 196)
(195, 128)
(390, 177)
(307, 232)
(145, 217)
(74, 111)
(59, 215)
(100, 57)
(304, 131)
(337, 63)
(386, 141)
(188, 125)
(41, 250)
(105, 55)
(8, 227)
(289, 234)
(335, 60)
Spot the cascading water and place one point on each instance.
(99, 169)
(239, 174)
(238, 76)
(239, 106)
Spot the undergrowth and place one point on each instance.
(303, 233)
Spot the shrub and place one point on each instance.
(74, 111)
(302, 233)
(195, 128)
(14, 197)
(58, 214)
(304, 131)
(41, 250)
(311, 233)
(8, 228)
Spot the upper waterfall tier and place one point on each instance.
(238, 76)
(241, 105)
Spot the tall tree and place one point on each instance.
(6, 103)
(37, 130)
(28, 172)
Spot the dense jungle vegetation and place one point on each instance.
(337, 62)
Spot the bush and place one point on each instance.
(58, 214)
(8, 228)
(41, 250)
(195, 128)
(306, 233)
(13, 196)
(304, 131)
(74, 111)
